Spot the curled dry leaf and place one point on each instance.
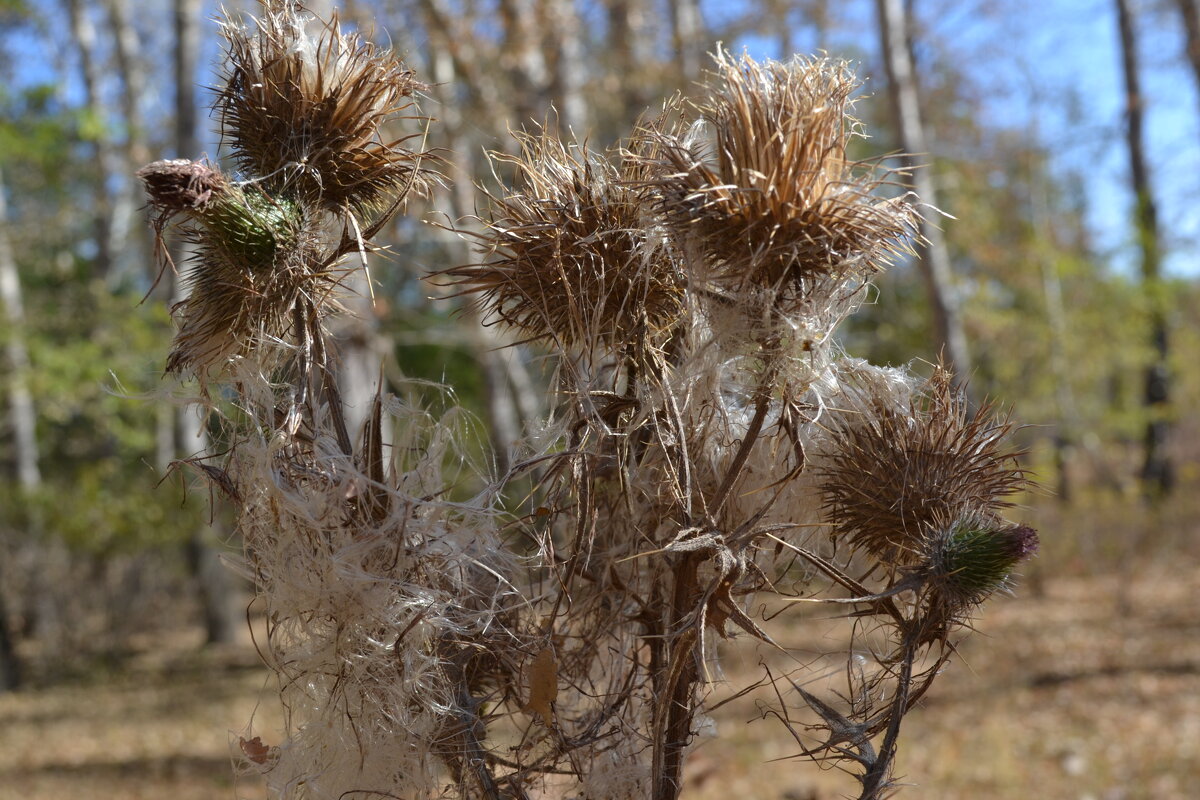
(543, 686)
(256, 751)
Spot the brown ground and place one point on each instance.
(1061, 696)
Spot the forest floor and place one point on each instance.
(1070, 692)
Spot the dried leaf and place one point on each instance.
(543, 686)
(255, 750)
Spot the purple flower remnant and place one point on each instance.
(1024, 542)
(974, 558)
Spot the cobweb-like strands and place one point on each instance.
(368, 614)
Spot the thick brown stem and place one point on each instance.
(676, 705)
(876, 779)
(747, 444)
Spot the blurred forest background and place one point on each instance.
(1063, 136)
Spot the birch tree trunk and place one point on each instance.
(1065, 435)
(83, 31)
(627, 44)
(1157, 470)
(137, 242)
(22, 419)
(933, 258)
(570, 71)
(522, 54)
(509, 396)
(130, 240)
(21, 411)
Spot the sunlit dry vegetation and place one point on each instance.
(544, 399)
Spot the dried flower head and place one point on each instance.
(177, 185)
(304, 114)
(254, 257)
(762, 182)
(572, 255)
(893, 474)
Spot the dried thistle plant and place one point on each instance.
(304, 119)
(713, 452)
(700, 467)
(381, 597)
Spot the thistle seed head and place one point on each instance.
(572, 258)
(304, 114)
(894, 473)
(762, 184)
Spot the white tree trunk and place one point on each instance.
(564, 28)
(22, 418)
(933, 257)
(21, 414)
(129, 232)
(112, 168)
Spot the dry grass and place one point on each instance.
(161, 729)
(1062, 696)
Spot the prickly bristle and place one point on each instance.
(762, 184)
(894, 472)
(305, 114)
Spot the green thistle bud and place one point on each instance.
(247, 226)
(252, 228)
(250, 263)
(974, 558)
